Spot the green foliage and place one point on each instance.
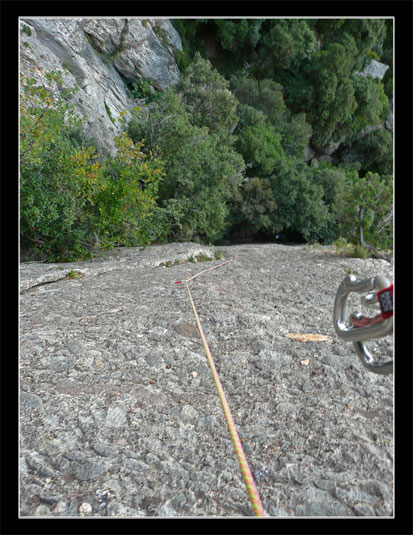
(57, 179)
(295, 134)
(366, 203)
(332, 179)
(232, 34)
(249, 116)
(367, 34)
(144, 89)
(332, 100)
(203, 175)
(165, 124)
(126, 201)
(69, 202)
(372, 104)
(299, 199)
(374, 151)
(262, 102)
(223, 150)
(287, 43)
(207, 98)
(261, 148)
(201, 171)
(288, 198)
(264, 95)
(25, 29)
(257, 204)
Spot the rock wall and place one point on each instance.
(98, 56)
(119, 411)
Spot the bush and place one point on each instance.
(126, 202)
(58, 179)
(366, 205)
(201, 171)
(69, 202)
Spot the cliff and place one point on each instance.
(102, 58)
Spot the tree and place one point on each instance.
(231, 34)
(261, 148)
(126, 202)
(374, 151)
(372, 105)
(287, 43)
(201, 171)
(70, 202)
(204, 174)
(332, 98)
(264, 95)
(364, 211)
(295, 134)
(207, 98)
(368, 34)
(300, 203)
(57, 178)
(258, 207)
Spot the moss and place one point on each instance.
(25, 29)
(109, 113)
(74, 274)
(162, 34)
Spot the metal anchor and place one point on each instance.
(362, 328)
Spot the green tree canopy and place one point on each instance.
(207, 98)
(287, 43)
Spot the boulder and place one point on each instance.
(308, 153)
(375, 69)
(96, 56)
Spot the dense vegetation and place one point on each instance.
(224, 154)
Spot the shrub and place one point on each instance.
(57, 178)
(126, 201)
(366, 206)
(69, 202)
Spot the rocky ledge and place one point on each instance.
(119, 412)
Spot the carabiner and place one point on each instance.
(361, 328)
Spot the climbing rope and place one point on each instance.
(242, 460)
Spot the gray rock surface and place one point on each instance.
(94, 53)
(375, 69)
(120, 415)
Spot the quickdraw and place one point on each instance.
(360, 328)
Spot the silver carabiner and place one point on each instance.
(361, 328)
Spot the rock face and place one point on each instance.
(374, 69)
(100, 57)
(119, 411)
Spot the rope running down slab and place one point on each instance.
(242, 460)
